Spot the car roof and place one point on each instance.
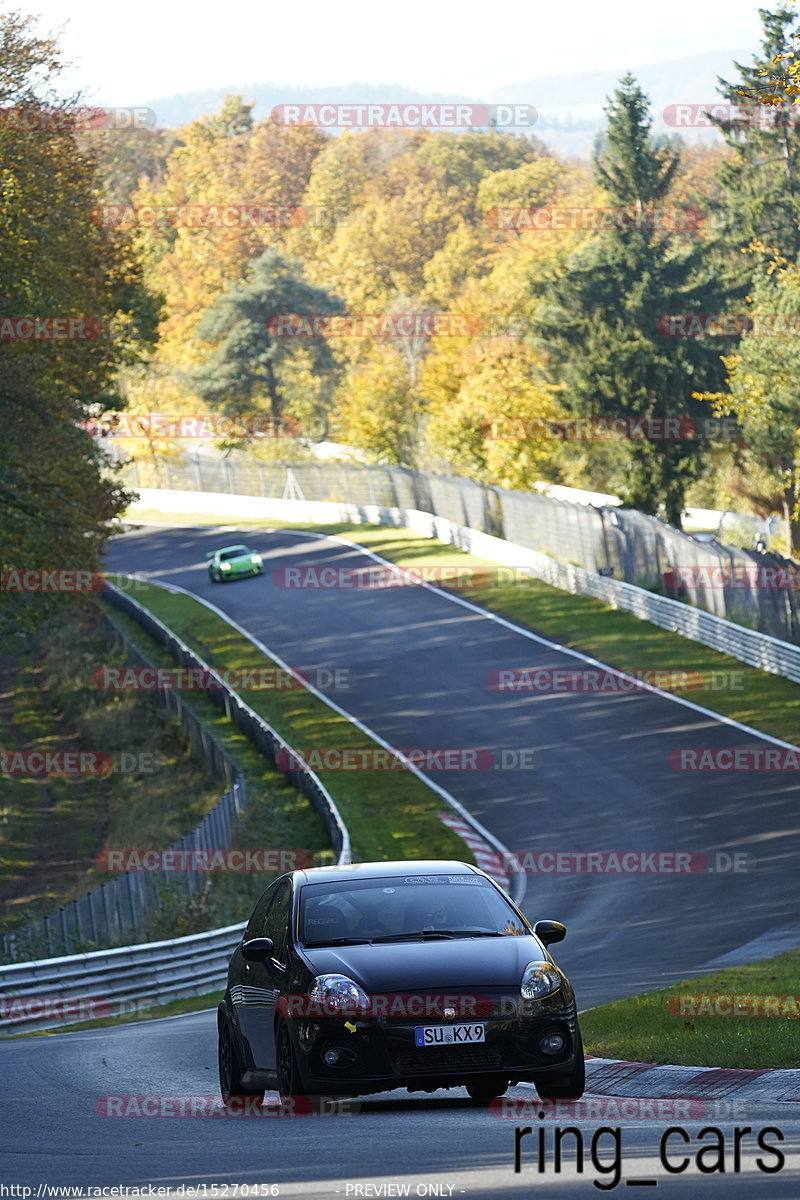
(227, 549)
(383, 870)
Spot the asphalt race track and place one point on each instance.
(417, 668)
(54, 1085)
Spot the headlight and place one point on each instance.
(539, 979)
(337, 995)
(256, 558)
(224, 566)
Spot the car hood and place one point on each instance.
(401, 966)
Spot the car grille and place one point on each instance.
(434, 1059)
(432, 1010)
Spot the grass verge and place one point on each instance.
(157, 791)
(767, 702)
(391, 814)
(675, 1024)
(716, 681)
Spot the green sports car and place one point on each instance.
(233, 562)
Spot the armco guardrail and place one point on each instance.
(117, 911)
(747, 645)
(263, 736)
(638, 549)
(105, 983)
(133, 974)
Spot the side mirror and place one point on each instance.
(549, 931)
(257, 949)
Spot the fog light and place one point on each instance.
(331, 1057)
(552, 1044)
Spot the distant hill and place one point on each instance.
(570, 105)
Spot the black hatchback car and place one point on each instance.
(423, 975)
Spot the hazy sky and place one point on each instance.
(127, 53)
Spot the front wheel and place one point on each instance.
(569, 1085)
(230, 1070)
(290, 1086)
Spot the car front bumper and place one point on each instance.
(379, 1055)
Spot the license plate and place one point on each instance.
(449, 1035)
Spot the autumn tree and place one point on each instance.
(761, 179)
(56, 496)
(600, 326)
(762, 395)
(256, 363)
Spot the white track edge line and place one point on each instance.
(519, 884)
(535, 637)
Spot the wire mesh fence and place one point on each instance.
(117, 912)
(754, 588)
(109, 915)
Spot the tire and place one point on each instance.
(483, 1091)
(231, 1087)
(213, 577)
(290, 1086)
(569, 1085)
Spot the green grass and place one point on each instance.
(390, 814)
(659, 1027)
(767, 702)
(47, 861)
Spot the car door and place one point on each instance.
(277, 927)
(248, 982)
(263, 981)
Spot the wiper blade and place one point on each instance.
(474, 933)
(342, 941)
(407, 937)
(436, 933)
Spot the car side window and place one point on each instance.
(276, 925)
(255, 926)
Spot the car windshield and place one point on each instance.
(234, 552)
(411, 906)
